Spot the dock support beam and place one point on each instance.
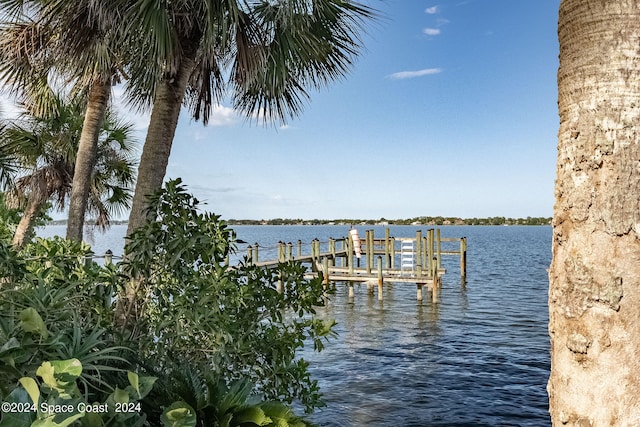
(430, 243)
(379, 278)
(387, 249)
(463, 259)
(254, 259)
(418, 252)
(325, 273)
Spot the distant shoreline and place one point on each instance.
(382, 221)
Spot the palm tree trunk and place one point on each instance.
(151, 170)
(25, 226)
(86, 157)
(157, 146)
(594, 295)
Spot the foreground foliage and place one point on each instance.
(210, 345)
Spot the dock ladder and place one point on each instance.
(406, 256)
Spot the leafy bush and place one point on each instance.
(218, 342)
(232, 321)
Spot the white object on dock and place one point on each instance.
(407, 254)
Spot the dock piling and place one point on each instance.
(463, 259)
(380, 280)
(421, 261)
(255, 258)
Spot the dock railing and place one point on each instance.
(337, 261)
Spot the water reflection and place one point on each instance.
(478, 357)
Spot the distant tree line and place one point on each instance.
(423, 220)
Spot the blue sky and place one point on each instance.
(450, 110)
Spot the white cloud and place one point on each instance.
(223, 116)
(431, 10)
(431, 31)
(139, 119)
(412, 74)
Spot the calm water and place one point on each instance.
(479, 357)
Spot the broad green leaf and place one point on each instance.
(46, 372)
(31, 321)
(14, 419)
(133, 380)
(179, 414)
(71, 367)
(31, 387)
(120, 396)
(60, 375)
(141, 385)
(251, 414)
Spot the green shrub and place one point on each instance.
(218, 342)
(231, 321)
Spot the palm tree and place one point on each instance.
(8, 161)
(48, 157)
(75, 39)
(271, 51)
(594, 277)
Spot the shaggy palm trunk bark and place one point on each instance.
(25, 226)
(594, 295)
(157, 146)
(86, 157)
(153, 165)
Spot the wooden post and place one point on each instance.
(434, 291)
(345, 248)
(425, 257)
(430, 235)
(351, 294)
(315, 252)
(108, 257)
(332, 249)
(380, 278)
(289, 251)
(369, 251)
(281, 251)
(350, 255)
(418, 251)
(419, 292)
(392, 245)
(249, 254)
(463, 259)
(439, 247)
(325, 273)
(255, 253)
(387, 251)
(299, 248)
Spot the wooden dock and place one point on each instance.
(416, 259)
